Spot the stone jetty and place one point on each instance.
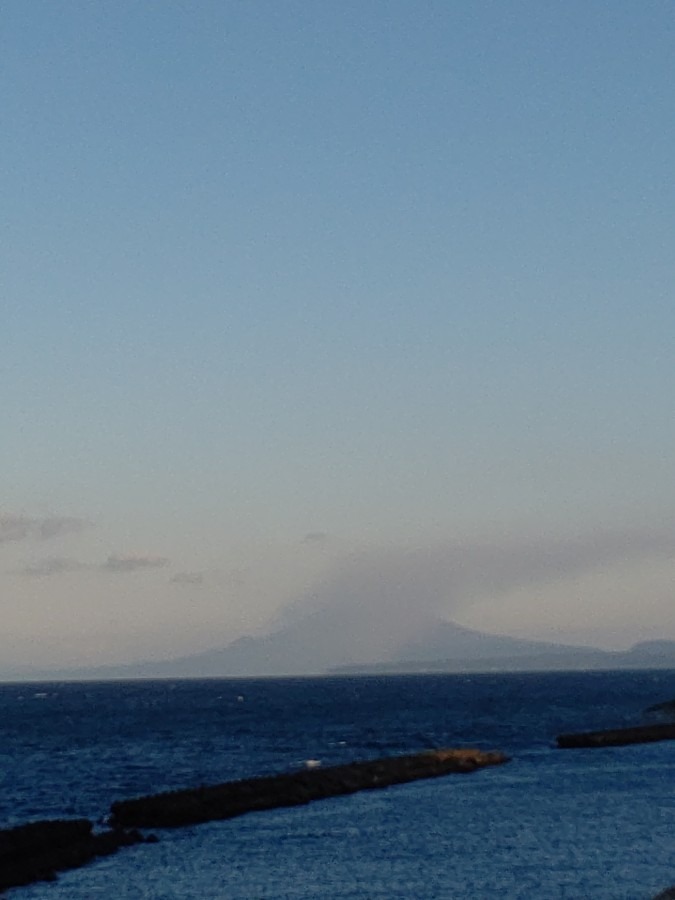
(38, 850)
(616, 737)
(234, 798)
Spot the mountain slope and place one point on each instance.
(309, 648)
(447, 640)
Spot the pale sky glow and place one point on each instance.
(293, 291)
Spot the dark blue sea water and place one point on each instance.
(551, 824)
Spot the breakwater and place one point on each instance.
(37, 851)
(234, 798)
(616, 737)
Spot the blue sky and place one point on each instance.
(395, 273)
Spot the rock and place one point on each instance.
(641, 734)
(665, 708)
(224, 801)
(38, 850)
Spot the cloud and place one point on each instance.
(238, 577)
(14, 528)
(499, 565)
(187, 578)
(56, 526)
(21, 528)
(133, 563)
(58, 565)
(315, 537)
(51, 565)
(370, 601)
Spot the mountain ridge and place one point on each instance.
(441, 646)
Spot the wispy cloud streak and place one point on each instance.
(187, 578)
(58, 565)
(56, 526)
(133, 563)
(315, 537)
(21, 528)
(51, 565)
(14, 528)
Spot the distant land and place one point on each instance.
(305, 649)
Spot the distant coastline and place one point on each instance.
(641, 656)
(303, 650)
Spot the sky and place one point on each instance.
(292, 292)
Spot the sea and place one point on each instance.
(551, 823)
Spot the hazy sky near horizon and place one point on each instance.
(293, 291)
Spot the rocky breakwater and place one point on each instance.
(616, 737)
(234, 798)
(38, 850)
